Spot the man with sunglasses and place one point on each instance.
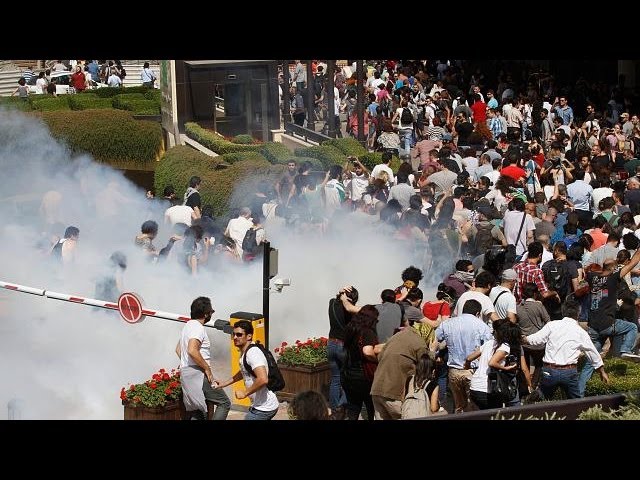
(194, 351)
(264, 403)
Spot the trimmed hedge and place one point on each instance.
(327, 154)
(154, 94)
(347, 145)
(214, 141)
(243, 139)
(624, 376)
(371, 159)
(181, 162)
(46, 103)
(232, 158)
(276, 152)
(87, 102)
(139, 107)
(108, 92)
(108, 135)
(317, 164)
(15, 103)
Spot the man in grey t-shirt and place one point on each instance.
(389, 315)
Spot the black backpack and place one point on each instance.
(249, 243)
(483, 240)
(406, 117)
(276, 381)
(556, 275)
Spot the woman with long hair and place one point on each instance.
(504, 353)
(361, 361)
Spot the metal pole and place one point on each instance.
(311, 97)
(286, 99)
(266, 259)
(360, 100)
(331, 111)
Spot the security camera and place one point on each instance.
(280, 283)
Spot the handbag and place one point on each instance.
(502, 384)
(582, 289)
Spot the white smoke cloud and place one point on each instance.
(66, 361)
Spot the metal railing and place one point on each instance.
(308, 135)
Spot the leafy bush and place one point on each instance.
(215, 142)
(309, 353)
(276, 152)
(140, 107)
(629, 411)
(347, 145)
(163, 387)
(44, 103)
(108, 92)
(317, 164)
(218, 185)
(89, 101)
(327, 154)
(240, 156)
(109, 135)
(371, 159)
(243, 139)
(624, 376)
(154, 94)
(15, 103)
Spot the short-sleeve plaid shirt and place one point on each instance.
(528, 273)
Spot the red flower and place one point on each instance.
(167, 391)
(284, 344)
(132, 388)
(277, 350)
(165, 376)
(153, 385)
(173, 385)
(162, 370)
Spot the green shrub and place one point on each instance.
(108, 92)
(215, 142)
(347, 145)
(317, 164)
(88, 101)
(218, 185)
(327, 154)
(154, 94)
(109, 135)
(119, 101)
(371, 159)
(276, 152)
(243, 139)
(138, 107)
(44, 103)
(232, 158)
(624, 376)
(15, 103)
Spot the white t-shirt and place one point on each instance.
(41, 85)
(178, 214)
(506, 303)
(512, 222)
(485, 302)
(236, 229)
(264, 399)
(381, 167)
(193, 329)
(480, 379)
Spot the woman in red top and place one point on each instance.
(440, 309)
(78, 80)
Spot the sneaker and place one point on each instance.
(630, 356)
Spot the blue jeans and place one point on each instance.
(255, 414)
(567, 380)
(406, 136)
(336, 356)
(623, 335)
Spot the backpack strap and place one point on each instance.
(247, 367)
(499, 295)
(524, 217)
(401, 312)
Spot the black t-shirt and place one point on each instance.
(464, 129)
(338, 319)
(194, 201)
(602, 313)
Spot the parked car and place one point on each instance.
(63, 80)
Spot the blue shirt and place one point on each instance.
(463, 335)
(493, 103)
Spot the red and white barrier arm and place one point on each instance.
(65, 297)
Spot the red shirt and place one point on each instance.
(513, 172)
(78, 80)
(479, 110)
(431, 310)
(539, 159)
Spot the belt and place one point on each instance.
(560, 367)
(341, 342)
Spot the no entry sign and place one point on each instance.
(130, 308)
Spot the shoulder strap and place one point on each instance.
(499, 295)
(401, 312)
(524, 217)
(244, 360)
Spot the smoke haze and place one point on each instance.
(67, 361)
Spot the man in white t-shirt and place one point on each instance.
(194, 351)
(480, 288)
(178, 213)
(384, 167)
(512, 221)
(237, 228)
(264, 403)
(503, 300)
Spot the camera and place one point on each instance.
(511, 360)
(280, 283)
